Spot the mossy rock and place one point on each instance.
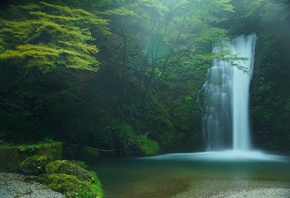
(11, 156)
(35, 165)
(69, 185)
(80, 163)
(67, 167)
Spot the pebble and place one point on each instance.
(258, 193)
(240, 188)
(13, 185)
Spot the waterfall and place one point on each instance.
(226, 120)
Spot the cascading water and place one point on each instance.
(244, 47)
(226, 122)
(226, 119)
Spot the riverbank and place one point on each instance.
(259, 193)
(237, 188)
(16, 185)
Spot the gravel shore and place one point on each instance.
(258, 193)
(14, 185)
(231, 188)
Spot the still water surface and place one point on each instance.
(171, 174)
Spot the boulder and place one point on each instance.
(34, 165)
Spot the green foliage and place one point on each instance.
(87, 151)
(81, 164)
(158, 48)
(270, 93)
(67, 167)
(146, 147)
(287, 105)
(28, 148)
(35, 165)
(5, 144)
(69, 185)
(153, 64)
(70, 179)
(165, 35)
(105, 136)
(12, 156)
(122, 138)
(125, 135)
(47, 35)
(96, 186)
(46, 141)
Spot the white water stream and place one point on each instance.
(244, 47)
(226, 122)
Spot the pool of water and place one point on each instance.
(171, 174)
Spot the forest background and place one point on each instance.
(125, 75)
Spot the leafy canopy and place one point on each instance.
(154, 37)
(45, 35)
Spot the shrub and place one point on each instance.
(146, 147)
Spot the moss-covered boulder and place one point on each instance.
(68, 167)
(71, 186)
(35, 165)
(72, 180)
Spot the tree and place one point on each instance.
(47, 50)
(157, 36)
(154, 46)
(45, 35)
(151, 68)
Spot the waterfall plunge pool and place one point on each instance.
(191, 174)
